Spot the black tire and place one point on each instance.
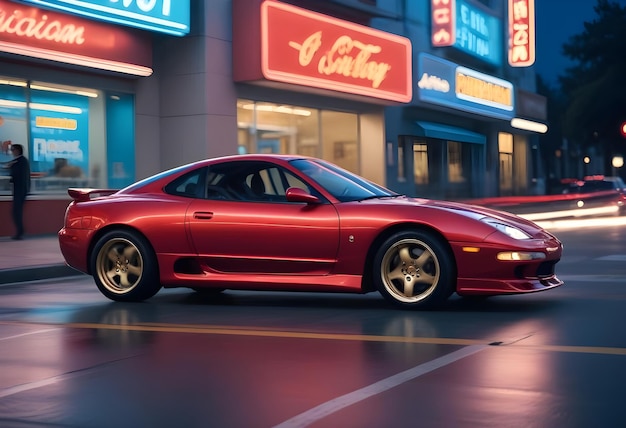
(125, 267)
(414, 269)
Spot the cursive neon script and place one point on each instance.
(347, 57)
(433, 83)
(40, 28)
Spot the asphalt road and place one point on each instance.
(70, 358)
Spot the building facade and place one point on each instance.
(421, 96)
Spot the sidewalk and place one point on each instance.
(33, 258)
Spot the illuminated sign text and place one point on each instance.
(40, 27)
(166, 16)
(483, 89)
(442, 22)
(446, 83)
(347, 57)
(55, 122)
(307, 48)
(521, 33)
(33, 32)
(467, 26)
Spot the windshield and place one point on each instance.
(343, 185)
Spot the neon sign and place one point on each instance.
(467, 26)
(445, 83)
(307, 48)
(30, 31)
(338, 59)
(165, 16)
(521, 33)
(442, 22)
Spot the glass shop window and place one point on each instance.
(420, 162)
(265, 127)
(505, 158)
(61, 129)
(460, 160)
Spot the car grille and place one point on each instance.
(543, 270)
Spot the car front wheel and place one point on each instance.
(124, 267)
(414, 269)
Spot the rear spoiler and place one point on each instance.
(87, 194)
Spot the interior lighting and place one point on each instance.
(19, 83)
(277, 109)
(12, 104)
(40, 106)
(55, 107)
(529, 125)
(83, 92)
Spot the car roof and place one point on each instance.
(156, 181)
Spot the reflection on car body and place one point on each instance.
(282, 222)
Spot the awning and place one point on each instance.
(447, 132)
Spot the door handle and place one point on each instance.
(203, 215)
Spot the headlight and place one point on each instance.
(508, 230)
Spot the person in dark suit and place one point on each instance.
(20, 177)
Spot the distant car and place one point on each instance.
(601, 191)
(280, 222)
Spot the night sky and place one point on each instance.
(556, 21)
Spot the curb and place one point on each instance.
(34, 273)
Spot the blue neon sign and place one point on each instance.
(164, 16)
(447, 84)
(478, 32)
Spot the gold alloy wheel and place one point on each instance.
(410, 270)
(119, 265)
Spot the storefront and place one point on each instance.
(98, 103)
(458, 138)
(442, 149)
(316, 85)
(103, 97)
(67, 95)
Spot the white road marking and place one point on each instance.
(34, 385)
(28, 333)
(612, 258)
(315, 414)
(56, 379)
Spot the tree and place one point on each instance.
(595, 88)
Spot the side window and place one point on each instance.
(251, 181)
(188, 185)
(293, 181)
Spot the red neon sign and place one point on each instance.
(443, 13)
(307, 48)
(521, 33)
(39, 33)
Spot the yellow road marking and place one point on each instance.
(253, 332)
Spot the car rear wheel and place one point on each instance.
(414, 269)
(124, 267)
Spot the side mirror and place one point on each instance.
(295, 194)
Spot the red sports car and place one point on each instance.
(281, 222)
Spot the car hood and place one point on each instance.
(476, 212)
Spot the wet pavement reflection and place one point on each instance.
(250, 359)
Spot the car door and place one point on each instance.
(239, 228)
